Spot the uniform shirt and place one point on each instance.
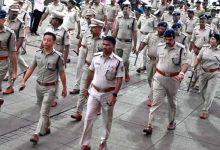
(161, 7)
(112, 11)
(168, 58)
(209, 57)
(183, 16)
(100, 11)
(216, 21)
(190, 24)
(198, 12)
(70, 19)
(7, 41)
(27, 6)
(84, 7)
(147, 23)
(152, 40)
(167, 18)
(17, 26)
(213, 27)
(106, 69)
(201, 36)
(91, 45)
(62, 37)
(182, 39)
(58, 7)
(125, 27)
(48, 66)
(25, 17)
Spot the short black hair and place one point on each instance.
(110, 39)
(72, 2)
(51, 34)
(59, 20)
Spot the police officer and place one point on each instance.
(56, 5)
(215, 18)
(200, 36)
(176, 19)
(147, 23)
(211, 24)
(50, 65)
(184, 12)
(105, 75)
(162, 5)
(125, 32)
(92, 43)
(209, 59)
(190, 24)
(198, 10)
(180, 37)
(90, 13)
(112, 11)
(62, 39)
(151, 41)
(170, 69)
(168, 16)
(8, 51)
(85, 5)
(100, 11)
(17, 26)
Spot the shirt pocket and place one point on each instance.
(176, 59)
(51, 66)
(110, 73)
(161, 57)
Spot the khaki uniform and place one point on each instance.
(184, 16)
(216, 21)
(152, 40)
(189, 26)
(125, 28)
(55, 7)
(148, 24)
(167, 18)
(161, 7)
(112, 12)
(62, 36)
(169, 61)
(105, 73)
(84, 7)
(100, 11)
(198, 12)
(18, 27)
(7, 45)
(182, 39)
(49, 67)
(209, 80)
(91, 46)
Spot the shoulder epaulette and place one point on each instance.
(39, 50)
(88, 36)
(180, 45)
(206, 45)
(9, 29)
(184, 34)
(58, 53)
(97, 54)
(19, 19)
(117, 57)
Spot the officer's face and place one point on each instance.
(13, 14)
(213, 12)
(209, 21)
(147, 11)
(88, 18)
(107, 47)
(175, 18)
(213, 42)
(126, 10)
(113, 1)
(2, 21)
(190, 14)
(96, 30)
(48, 42)
(202, 23)
(161, 30)
(177, 31)
(169, 41)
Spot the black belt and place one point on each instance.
(145, 33)
(47, 84)
(125, 40)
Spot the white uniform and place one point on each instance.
(105, 73)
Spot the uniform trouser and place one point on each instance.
(3, 70)
(82, 99)
(123, 50)
(143, 54)
(195, 78)
(209, 90)
(22, 65)
(79, 67)
(93, 106)
(45, 94)
(151, 69)
(165, 86)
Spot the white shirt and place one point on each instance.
(39, 5)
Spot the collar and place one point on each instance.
(111, 56)
(171, 48)
(52, 52)
(12, 20)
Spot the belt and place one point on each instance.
(3, 57)
(214, 70)
(189, 33)
(103, 90)
(47, 84)
(87, 63)
(125, 40)
(145, 33)
(167, 74)
(152, 58)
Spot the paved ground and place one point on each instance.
(20, 114)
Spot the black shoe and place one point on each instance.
(148, 130)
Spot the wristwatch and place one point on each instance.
(115, 94)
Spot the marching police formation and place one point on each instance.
(168, 37)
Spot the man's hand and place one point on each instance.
(134, 49)
(86, 93)
(111, 100)
(22, 85)
(64, 92)
(137, 52)
(196, 50)
(180, 76)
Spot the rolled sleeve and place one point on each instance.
(184, 58)
(121, 70)
(92, 67)
(60, 64)
(66, 38)
(12, 41)
(200, 54)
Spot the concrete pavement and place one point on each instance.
(20, 114)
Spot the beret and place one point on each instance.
(2, 14)
(169, 33)
(203, 16)
(176, 25)
(215, 35)
(163, 24)
(176, 13)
